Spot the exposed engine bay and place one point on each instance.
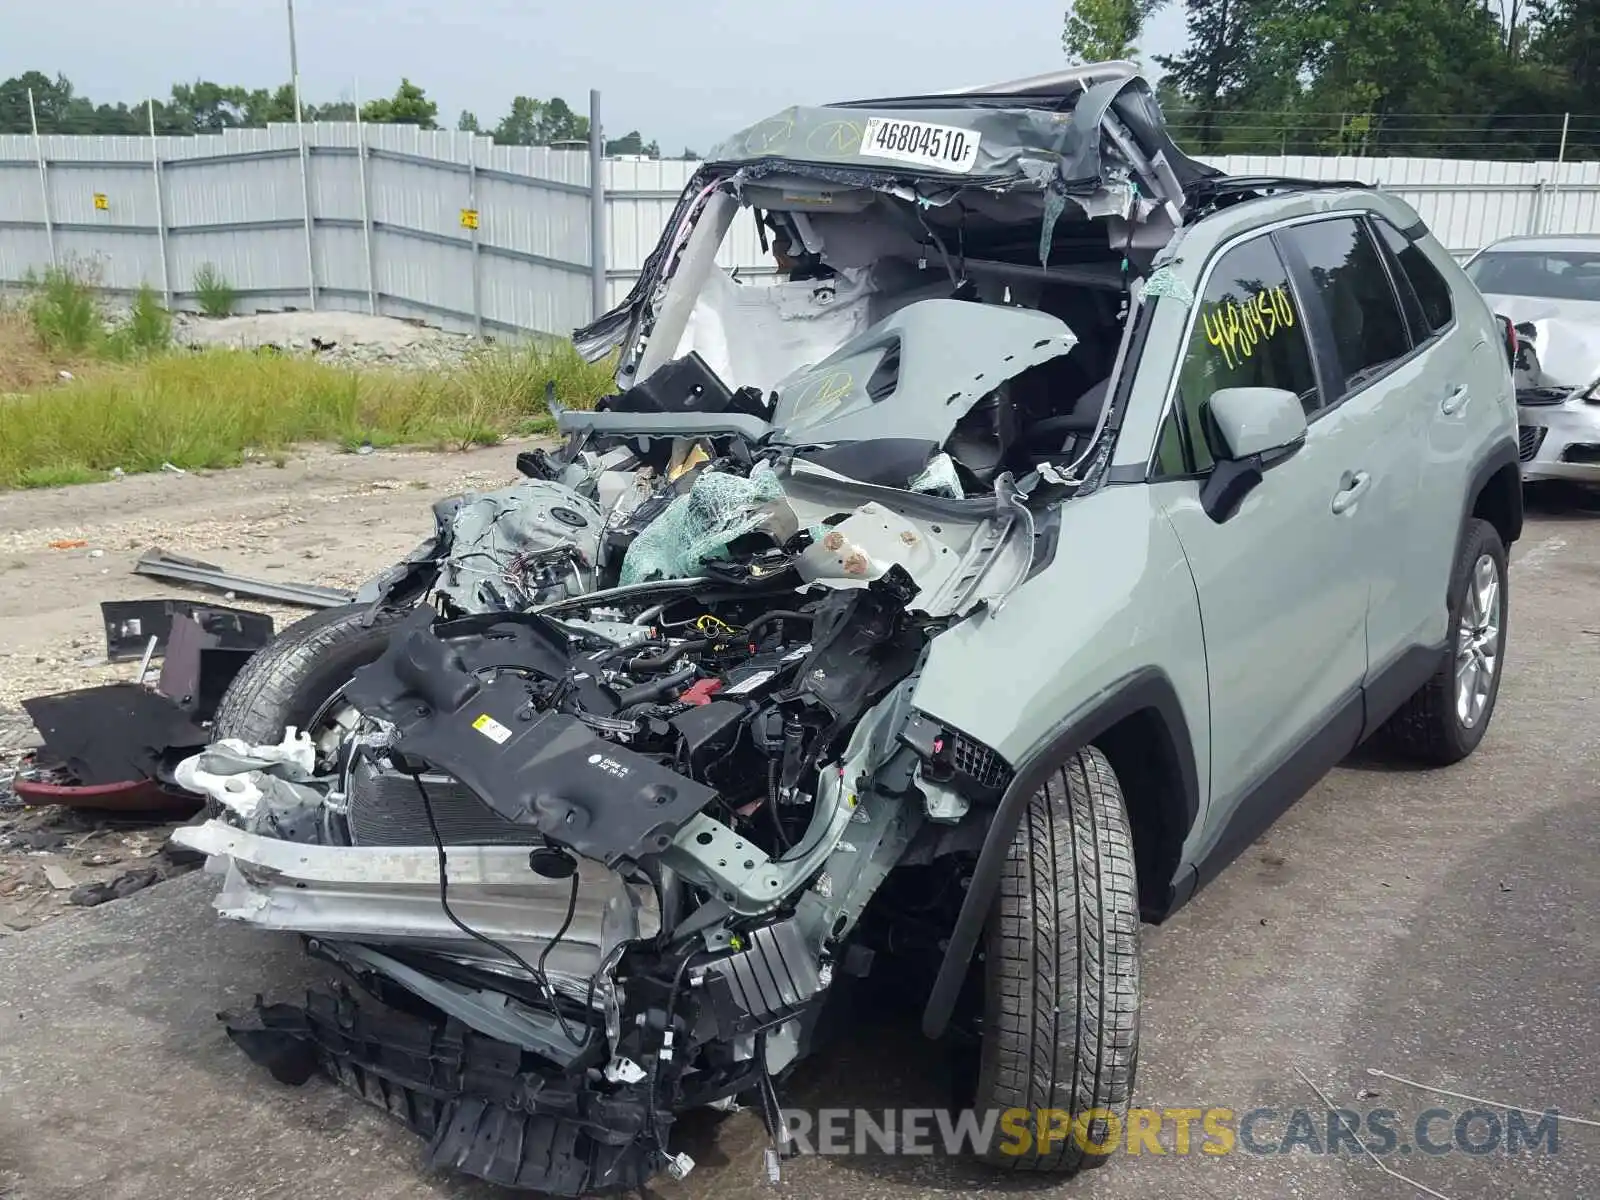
(614, 810)
(658, 809)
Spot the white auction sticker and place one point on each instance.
(943, 147)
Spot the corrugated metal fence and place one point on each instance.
(451, 229)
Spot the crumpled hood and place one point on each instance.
(1565, 338)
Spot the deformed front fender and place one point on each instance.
(1110, 629)
(1147, 688)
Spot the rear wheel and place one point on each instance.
(1447, 718)
(1061, 975)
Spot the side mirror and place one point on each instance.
(1256, 421)
(1256, 427)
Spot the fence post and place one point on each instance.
(305, 188)
(366, 204)
(44, 182)
(1536, 217)
(161, 205)
(477, 262)
(597, 209)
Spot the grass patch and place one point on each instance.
(65, 312)
(203, 410)
(149, 325)
(216, 295)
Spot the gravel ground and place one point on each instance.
(339, 338)
(1436, 925)
(325, 518)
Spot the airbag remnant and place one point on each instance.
(697, 528)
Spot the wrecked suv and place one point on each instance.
(933, 608)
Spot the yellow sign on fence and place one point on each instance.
(101, 203)
(469, 218)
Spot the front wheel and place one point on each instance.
(1061, 978)
(297, 677)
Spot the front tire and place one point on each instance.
(1061, 997)
(1447, 718)
(291, 679)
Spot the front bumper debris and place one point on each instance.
(1560, 441)
(486, 1107)
(390, 895)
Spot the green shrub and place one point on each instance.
(65, 313)
(149, 324)
(216, 295)
(148, 329)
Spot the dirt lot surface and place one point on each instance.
(331, 519)
(1438, 926)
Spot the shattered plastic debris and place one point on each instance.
(697, 527)
(1163, 282)
(264, 785)
(91, 895)
(939, 478)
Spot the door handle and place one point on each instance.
(1351, 488)
(1456, 401)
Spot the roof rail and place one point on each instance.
(1056, 84)
(1204, 193)
(1053, 83)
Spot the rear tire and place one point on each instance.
(1438, 726)
(1061, 996)
(290, 679)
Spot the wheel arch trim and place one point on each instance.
(1146, 688)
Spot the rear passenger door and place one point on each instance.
(1376, 375)
(1457, 397)
(1282, 594)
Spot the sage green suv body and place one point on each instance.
(1226, 660)
(983, 581)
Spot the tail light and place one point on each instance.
(1512, 344)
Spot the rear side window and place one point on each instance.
(1347, 275)
(1247, 333)
(1432, 292)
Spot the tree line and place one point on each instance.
(206, 107)
(1438, 78)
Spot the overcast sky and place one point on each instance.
(683, 71)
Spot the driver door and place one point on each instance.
(1282, 596)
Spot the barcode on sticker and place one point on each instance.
(492, 729)
(943, 147)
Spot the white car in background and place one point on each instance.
(1549, 288)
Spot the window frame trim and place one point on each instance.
(1416, 320)
(1449, 288)
(1322, 346)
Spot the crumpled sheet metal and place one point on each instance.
(697, 527)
